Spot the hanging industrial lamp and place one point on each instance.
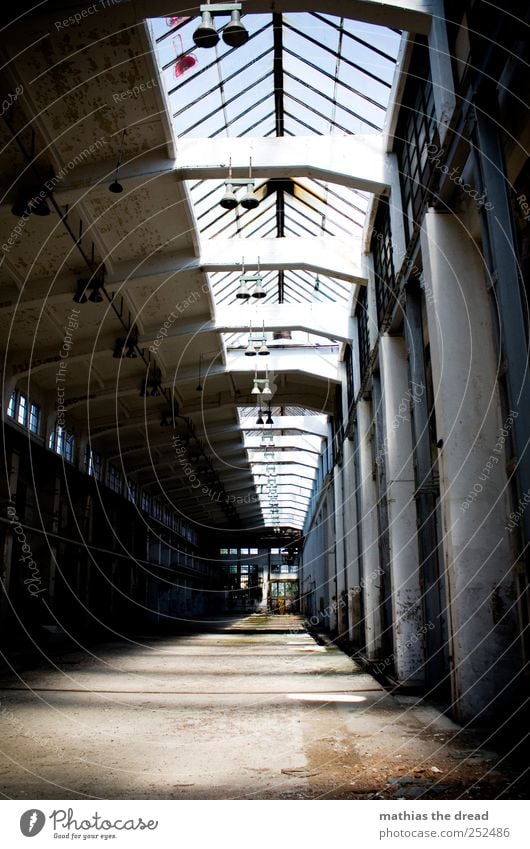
(259, 290)
(80, 292)
(206, 35)
(116, 187)
(263, 351)
(199, 386)
(250, 199)
(269, 419)
(234, 33)
(259, 420)
(251, 349)
(229, 200)
(243, 293)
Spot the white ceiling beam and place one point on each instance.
(326, 255)
(318, 319)
(277, 458)
(304, 424)
(411, 15)
(355, 161)
(300, 443)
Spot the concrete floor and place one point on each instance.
(245, 710)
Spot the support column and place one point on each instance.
(351, 549)
(330, 560)
(397, 398)
(371, 578)
(341, 601)
(472, 472)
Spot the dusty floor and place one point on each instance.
(247, 710)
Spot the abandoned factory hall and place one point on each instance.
(264, 502)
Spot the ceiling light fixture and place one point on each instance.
(250, 199)
(199, 386)
(80, 296)
(206, 35)
(251, 348)
(243, 294)
(115, 187)
(234, 33)
(32, 200)
(261, 385)
(229, 200)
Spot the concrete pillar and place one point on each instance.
(331, 564)
(351, 548)
(342, 617)
(397, 398)
(472, 471)
(371, 578)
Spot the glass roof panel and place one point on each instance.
(332, 77)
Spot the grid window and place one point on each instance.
(132, 491)
(417, 129)
(361, 313)
(253, 550)
(223, 551)
(22, 410)
(146, 502)
(233, 551)
(12, 406)
(381, 248)
(62, 443)
(34, 418)
(93, 463)
(114, 479)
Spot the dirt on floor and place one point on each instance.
(246, 708)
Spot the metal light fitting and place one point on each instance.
(234, 33)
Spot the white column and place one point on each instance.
(351, 548)
(371, 580)
(472, 470)
(331, 565)
(404, 560)
(339, 552)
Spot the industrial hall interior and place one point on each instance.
(264, 522)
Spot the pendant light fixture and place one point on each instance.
(199, 386)
(269, 419)
(263, 351)
(116, 187)
(251, 349)
(229, 200)
(206, 35)
(243, 294)
(80, 296)
(250, 199)
(259, 420)
(234, 33)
